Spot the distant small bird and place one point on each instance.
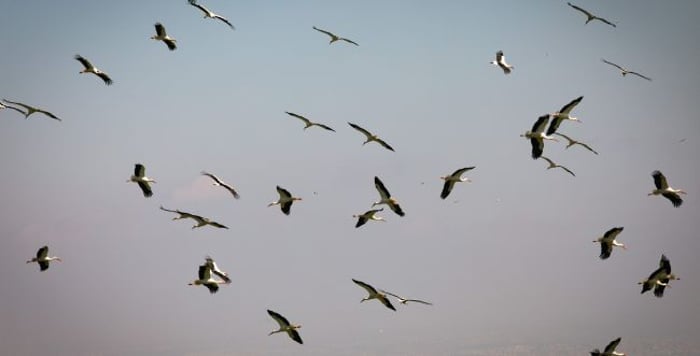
(501, 62)
(3, 106)
(201, 221)
(452, 179)
(139, 177)
(624, 70)
(285, 326)
(609, 350)
(285, 201)
(555, 165)
(563, 114)
(308, 123)
(667, 192)
(209, 14)
(43, 259)
(30, 110)
(368, 215)
(607, 241)
(590, 17)
(334, 37)
(386, 198)
(89, 68)
(537, 136)
(162, 36)
(371, 137)
(660, 278)
(205, 279)
(220, 183)
(405, 300)
(213, 267)
(574, 142)
(373, 294)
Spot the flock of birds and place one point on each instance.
(544, 129)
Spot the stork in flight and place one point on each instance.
(537, 136)
(201, 221)
(285, 326)
(609, 350)
(308, 123)
(368, 215)
(386, 198)
(660, 278)
(555, 165)
(209, 14)
(563, 114)
(285, 201)
(501, 62)
(139, 177)
(371, 137)
(590, 17)
(220, 183)
(43, 259)
(3, 106)
(572, 142)
(30, 109)
(205, 279)
(161, 35)
(89, 68)
(334, 37)
(213, 267)
(373, 294)
(667, 192)
(624, 70)
(405, 300)
(607, 242)
(452, 179)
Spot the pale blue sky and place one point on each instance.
(507, 259)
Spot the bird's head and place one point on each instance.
(681, 191)
(58, 259)
(296, 198)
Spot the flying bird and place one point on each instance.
(452, 179)
(537, 136)
(555, 165)
(308, 123)
(609, 350)
(162, 36)
(209, 14)
(607, 241)
(501, 62)
(405, 300)
(660, 278)
(563, 114)
(285, 326)
(43, 259)
(334, 37)
(371, 137)
(205, 279)
(3, 106)
(590, 17)
(220, 183)
(30, 110)
(624, 70)
(368, 215)
(285, 201)
(213, 267)
(662, 188)
(139, 177)
(201, 221)
(386, 198)
(373, 294)
(89, 68)
(574, 142)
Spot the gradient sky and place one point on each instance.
(507, 260)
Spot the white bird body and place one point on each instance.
(572, 142)
(537, 136)
(334, 37)
(43, 258)
(452, 179)
(663, 189)
(201, 221)
(161, 35)
(386, 198)
(374, 294)
(285, 327)
(371, 137)
(30, 109)
(211, 15)
(89, 68)
(609, 349)
(501, 62)
(368, 215)
(139, 177)
(607, 242)
(555, 165)
(563, 114)
(205, 279)
(221, 183)
(285, 201)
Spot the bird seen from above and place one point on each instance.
(285, 201)
(368, 215)
(30, 110)
(537, 136)
(563, 114)
(501, 62)
(285, 326)
(139, 177)
(162, 36)
(89, 68)
(370, 137)
(201, 221)
(662, 188)
(43, 259)
(590, 17)
(624, 70)
(660, 278)
(555, 165)
(607, 242)
(373, 294)
(308, 123)
(453, 178)
(220, 183)
(209, 14)
(334, 37)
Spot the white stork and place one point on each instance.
(139, 177)
(285, 201)
(607, 241)
(205, 279)
(89, 68)
(162, 36)
(220, 183)
(285, 326)
(334, 37)
(667, 192)
(43, 259)
(405, 300)
(590, 17)
(609, 350)
(563, 114)
(209, 14)
(555, 165)
(201, 221)
(501, 62)
(371, 137)
(537, 136)
(660, 278)
(213, 267)
(30, 110)
(3, 106)
(386, 198)
(572, 142)
(368, 215)
(452, 179)
(308, 123)
(624, 70)
(373, 294)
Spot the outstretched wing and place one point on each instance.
(570, 106)
(324, 31)
(613, 64)
(84, 61)
(639, 75)
(348, 41)
(386, 145)
(383, 192)
(659, 180)
(358, 128)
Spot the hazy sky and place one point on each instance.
(507, 260)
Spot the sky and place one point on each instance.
(507, 260)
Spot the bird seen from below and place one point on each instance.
(161, 35)
(453, 178)
(662, 188)
(308, 123)
(220, 183)
(285, 327)
(285, 201)
(30, 110)
(334, 37)
(89, 68)
(607, 242)
(43, 258)
(373, 294)
(139, 177)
